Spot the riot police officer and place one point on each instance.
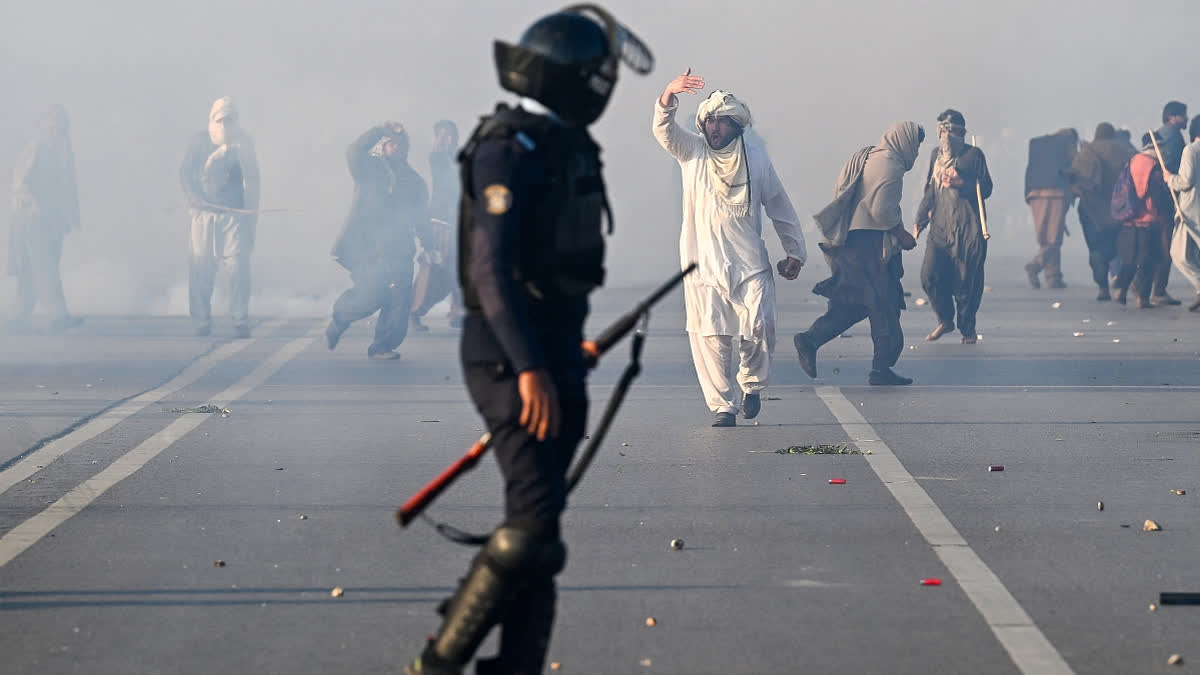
(531, 249)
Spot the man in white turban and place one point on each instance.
(727, 181)
(220, 180)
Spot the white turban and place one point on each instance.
(723, 104)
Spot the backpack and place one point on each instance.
(1126, 205)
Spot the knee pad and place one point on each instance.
(512, 550)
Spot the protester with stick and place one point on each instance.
(1185, 244)
(952, 208)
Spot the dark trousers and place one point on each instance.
(886, 335)
(950, 282)
(1162, 268)
(38, 280)
(1141, 253)
(386, 289)
(1102, 248)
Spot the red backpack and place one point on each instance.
(1126, 204)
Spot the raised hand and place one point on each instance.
(685, 83)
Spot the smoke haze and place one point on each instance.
(822, 79)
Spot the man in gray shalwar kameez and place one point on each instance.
(45, 207)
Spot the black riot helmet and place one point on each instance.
(568, 61)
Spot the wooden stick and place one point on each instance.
(979, 198)
(1163, 165)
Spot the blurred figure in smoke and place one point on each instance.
(435, 268)
(1048, 193)
(1174, 117)
(727, 182)
(863, 230)
(221, 182)
(1185, 244)
(45, 207)
(956, 250)
(1093, 174)
(1140, 242)
(390, 208)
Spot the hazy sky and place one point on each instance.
(822, 79)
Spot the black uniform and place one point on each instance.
(952, 273)
(531, 250)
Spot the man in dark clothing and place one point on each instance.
(1048, 193)
(377, 243)
(435, 268)
(956, 250)
(1174, 117)
(45, 202)
(863, 232)
(1093, 174)
(1140, 242)
(531, 251)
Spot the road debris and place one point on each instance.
(1153, 607)
(843, 449)
(651, 621)
(772, 398)
(837, 481)
(645, 663)
(987, 289)
(203, 410)
(555, 665)
(677, 544)
(337, 592)
(1055, 305)
(1078, 333)
(1116, 340)
(921, 302)
(303, 517)
(1099, 506)
(218, 563)
(995, 467)
(1179, 492)
(931, 582)
(997, 528)
(1175, 660)
(1151, 526)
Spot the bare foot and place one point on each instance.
(942, 329)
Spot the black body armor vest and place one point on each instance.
(562, 252)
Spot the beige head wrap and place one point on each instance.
(728, 169)
(222, 108)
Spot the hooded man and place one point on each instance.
(1093, 173)
(1185, 244)
(727, 181)
(45, 207)
(377, 245)
(1140, 242)
(955, 253)
(435, 268)
(1048, 193)
(864, 232)
(221, 182)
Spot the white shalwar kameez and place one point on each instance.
(732, 293)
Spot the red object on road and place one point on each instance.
(837, 481)
(931, 582)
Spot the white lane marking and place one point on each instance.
(1029, 649)
(28, 533)
(42, 457)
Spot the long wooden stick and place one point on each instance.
(1163, 165)
(979, 198)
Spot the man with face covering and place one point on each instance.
(1093, 173)
(45, 207)
(727, 182)
(863, 230)
(221, 182)
(435, 274)
(956, 250)
(377, 243)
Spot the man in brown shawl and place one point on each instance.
(863, 231)
(45, 203)
(1048, 193)
(1093, 173)
(956, 250)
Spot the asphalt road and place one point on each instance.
(114, 510)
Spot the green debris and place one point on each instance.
(842, 449)
(204, 410)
